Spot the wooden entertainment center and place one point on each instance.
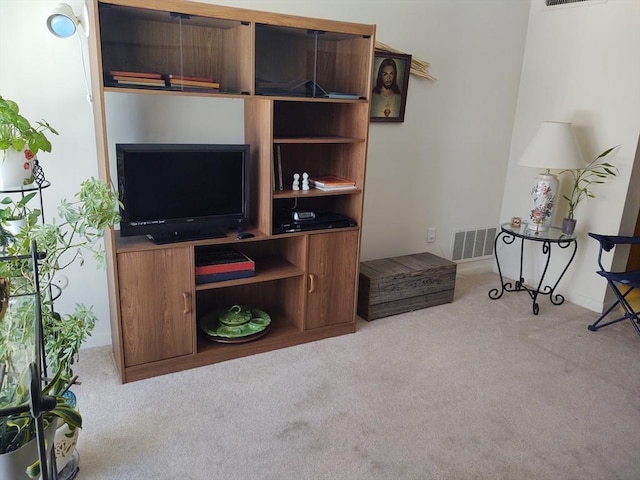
(306, 281)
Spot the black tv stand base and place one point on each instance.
(175, 237)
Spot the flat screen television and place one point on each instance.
(179, 192)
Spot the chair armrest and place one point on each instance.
(607, 242)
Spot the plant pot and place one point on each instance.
(16, 168)
(16, 225)
(65, 440)
(14, 464)
(568, 226)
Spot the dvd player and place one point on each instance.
(320, 222)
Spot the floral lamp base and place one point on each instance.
(543, 200)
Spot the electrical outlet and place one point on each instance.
(431, 234)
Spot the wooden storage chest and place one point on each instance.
(389, 286)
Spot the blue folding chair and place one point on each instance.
(630, 280)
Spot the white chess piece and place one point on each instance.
(305, 181)
(296, 182)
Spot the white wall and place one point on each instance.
(45, 76)
(445, 166)
(581, 65)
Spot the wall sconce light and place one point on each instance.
(553, 147)
(63, 22)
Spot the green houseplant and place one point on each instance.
(77, 229)
(16, 131)
(20, 141)
(17, 215)
(18, 448)
(582, 179)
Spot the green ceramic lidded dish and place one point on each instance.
(235, 322)
(236, 315)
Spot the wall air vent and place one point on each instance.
(572, 3)
(472, 244)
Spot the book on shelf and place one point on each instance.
(123, 73)
(331, 181)
(334, 189)
(223, 261)
(183, 82)
(346, 96)
(153, 82)
(221, 277)
(307, 88)
(189, 77)
(278, 170)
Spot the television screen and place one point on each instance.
(177, 192)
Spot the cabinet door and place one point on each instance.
(156, 304)
(332, 278)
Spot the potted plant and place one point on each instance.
(78, 229)
(15, 215)
(19, 453)
(19, 143)
(582, 179)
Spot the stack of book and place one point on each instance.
(137, 79)
(192, 82)
(223, 264)
(331, 183)
(154, 79)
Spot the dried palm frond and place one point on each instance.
(418, 67)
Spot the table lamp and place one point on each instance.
(554, 147)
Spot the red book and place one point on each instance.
(223, 261)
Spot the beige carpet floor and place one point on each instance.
(474, 389)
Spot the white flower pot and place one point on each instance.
(65, 444)
(65, 441)
(16, 168)
(15, 226)
(14, 464)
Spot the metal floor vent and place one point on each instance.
(473, 244)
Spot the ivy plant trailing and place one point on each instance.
(76, 231)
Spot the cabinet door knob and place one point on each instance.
(187, 302)
(312, 283)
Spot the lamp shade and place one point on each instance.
(63, 22)
(553, 147)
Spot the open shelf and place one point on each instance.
(267, 269)
(317, 139)
(313, 192)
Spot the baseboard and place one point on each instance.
(474, 267)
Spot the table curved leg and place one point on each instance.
(496, 293)
(546, 250)
(556, 298)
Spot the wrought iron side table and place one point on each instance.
(553, 236)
